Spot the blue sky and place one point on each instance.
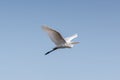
(23, 43)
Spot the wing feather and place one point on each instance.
(54, 35)
(68, 39)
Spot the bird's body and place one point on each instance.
(59, 41)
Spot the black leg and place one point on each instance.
(51, 51)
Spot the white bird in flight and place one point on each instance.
(59, 41)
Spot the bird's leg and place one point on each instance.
(51, 51)
(55, 48)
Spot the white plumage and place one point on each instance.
(59, 41)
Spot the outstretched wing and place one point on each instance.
(68, 39)
(54, 35)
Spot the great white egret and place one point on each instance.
(59, 41)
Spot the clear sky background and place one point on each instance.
(23, 43)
